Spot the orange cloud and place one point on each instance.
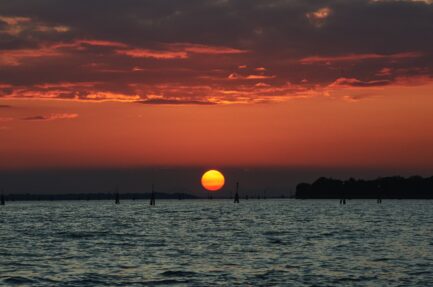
(17, 25)
(204, 49)
(111, 97)
(384, 72)
(14, 20)
(319, 16)
(66, 85)
(262, 85)
(14, 57)
(101, 43)
(45, 28)
(259, 77)
(146, 53)
(236, 76)
(179, 51)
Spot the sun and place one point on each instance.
(212, 180)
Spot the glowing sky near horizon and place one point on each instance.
(216, 83)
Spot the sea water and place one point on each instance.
(215, 242)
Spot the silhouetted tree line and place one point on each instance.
(395, 187)
(95, 196)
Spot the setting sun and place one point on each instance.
(212, 180)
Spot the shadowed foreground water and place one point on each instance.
(208, 243)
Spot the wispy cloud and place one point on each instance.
(341, 82)
(16, 25)
(146, 53)
(236, 76)
(179, 51)
(318, 17)
(51, 117)
(359, 57)
(14, 57)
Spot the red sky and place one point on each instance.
(216, 83)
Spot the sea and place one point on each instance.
(285, 242)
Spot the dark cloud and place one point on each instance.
(134, 48)
(5, 106)
(358, 83)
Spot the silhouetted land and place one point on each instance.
(95, 196)
(395, 187)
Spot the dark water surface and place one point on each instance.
(209, 243)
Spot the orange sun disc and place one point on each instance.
(212, 180)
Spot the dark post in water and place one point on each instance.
(2, 199)
(152, 196)
(343, 197)
(237, 193)
(117, 196)
(379, 194)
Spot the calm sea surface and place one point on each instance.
(209, 243)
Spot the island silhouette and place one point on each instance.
(394, 187)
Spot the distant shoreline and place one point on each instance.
(95, 196)
(122, 196)
(396, 187)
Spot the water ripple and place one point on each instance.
(217, 243)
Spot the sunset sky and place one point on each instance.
(216, 83)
